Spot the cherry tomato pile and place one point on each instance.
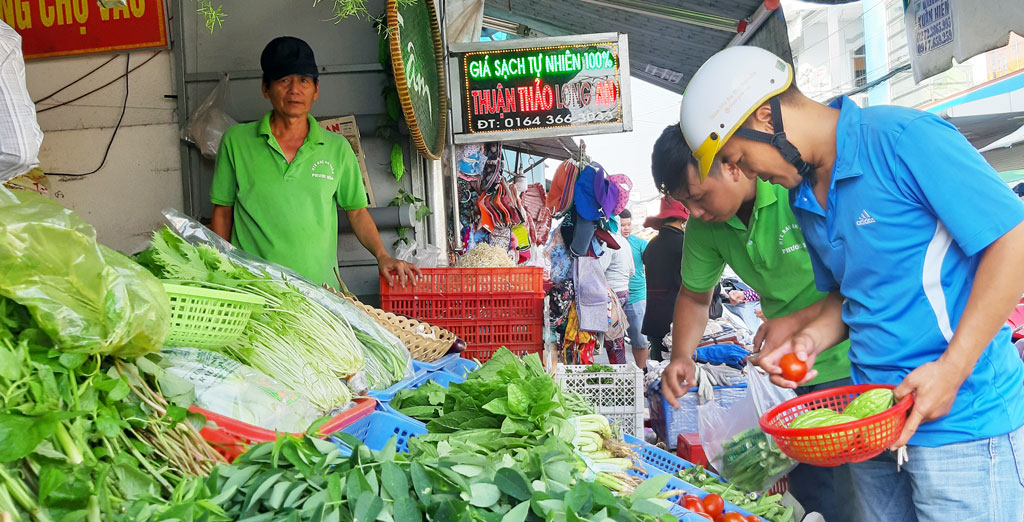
(711, 506)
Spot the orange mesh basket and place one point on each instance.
(855, 441)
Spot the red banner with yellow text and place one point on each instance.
(51, 28)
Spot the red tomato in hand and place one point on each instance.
(732, 517)
(793, 369)
(713, 505)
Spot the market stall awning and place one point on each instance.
(990, 115)
(1009, 140)
(555, 148)
(668, 40)
(985, 130)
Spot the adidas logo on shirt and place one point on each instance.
(865, 218)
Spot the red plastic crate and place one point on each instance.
(483, 338)
(485, 281)
(688, 447)
(780, 487)
(484, 353)
(436, 309)
(232, 437)
(486, 307)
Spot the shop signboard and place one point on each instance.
(418, 64)
(52, 28)
(540, 87)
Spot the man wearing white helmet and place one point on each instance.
(918, 242)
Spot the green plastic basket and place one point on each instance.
(206, 318)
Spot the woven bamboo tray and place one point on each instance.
(425, 342)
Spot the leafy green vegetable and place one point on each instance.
(294, 340)
(84, 437)
(87, 297)
(447, 482)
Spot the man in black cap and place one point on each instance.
(278, 181)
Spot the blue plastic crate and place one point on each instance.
(688, 489)
(377, 428)
(657, 459)
(659, 462)
(441, 377)
(462, 367)
(451, 363)
(389, 393)
(669, 422)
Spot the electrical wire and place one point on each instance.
(124, 108)
(101, 87)
(80, 78)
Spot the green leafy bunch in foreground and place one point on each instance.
(310, 479)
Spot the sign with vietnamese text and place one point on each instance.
(416, 59)
(563, 86)
(51, 28)
(940, 31)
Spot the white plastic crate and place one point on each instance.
(618, 395)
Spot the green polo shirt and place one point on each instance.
(287, 212)
(770, 256)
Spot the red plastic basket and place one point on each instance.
(486, 307)
(232, 437)
(484, 353)
(526, 279)
(834, 445)
(436, 309)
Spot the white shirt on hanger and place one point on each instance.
(20, 136)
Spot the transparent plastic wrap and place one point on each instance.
(387, 359)
(87, 297)
(733, 441)
(228, 387)
(387, 348)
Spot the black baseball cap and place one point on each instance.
(287, 55)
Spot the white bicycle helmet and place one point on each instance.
(726, 90)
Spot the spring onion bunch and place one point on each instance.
(293, 340)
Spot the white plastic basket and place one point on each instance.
(618, 395)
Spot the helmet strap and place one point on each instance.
(778, 140)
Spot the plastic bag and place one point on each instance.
(228, 387)
(208, 124)
(85, 296)
(405, 251)
(192, 231)
(427, 256)
(733, 441)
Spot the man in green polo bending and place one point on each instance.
(279, 180)
(749, 225)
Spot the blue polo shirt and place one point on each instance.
(910, 210)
